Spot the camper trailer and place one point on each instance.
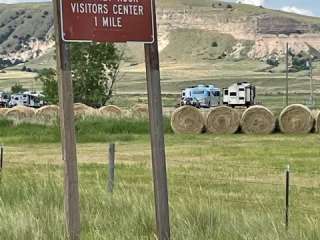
(205, 96)
(28, 99)
(239, 94)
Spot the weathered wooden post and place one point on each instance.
(156, 133)
(1, 158)
(111, 167)
(287, 74)
(69, 154)
(287, 197)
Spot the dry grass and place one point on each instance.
(258, 120)
(187, 119)
(111, 111)
(223, 120)
(20, 113)
(48, 113)
(140, 111)
(82, 111)
(296, 118)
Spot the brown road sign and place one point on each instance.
(107, 20)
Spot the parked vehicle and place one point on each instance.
(28, 99)
(240, 94)
(4, 99)
(205, 96)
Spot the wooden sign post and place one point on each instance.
(110, 21)
(67, 128)
(156, 134)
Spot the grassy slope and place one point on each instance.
(223, 187)
(20, 22)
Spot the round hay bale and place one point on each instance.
(140, 111)
(257, 120)
(296, 118)
(20, 113)
(187, 119)
(81, 111)
(3, 111)
(48, 113)
(316, 116)
(111, 111)
(223, 120)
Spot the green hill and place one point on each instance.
(22, 23)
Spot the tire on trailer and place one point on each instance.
(187, 120)
(296, 118)
(223, 120)
(258, 120)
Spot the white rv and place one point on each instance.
(239, 94)
(28, 99)
(205, 96)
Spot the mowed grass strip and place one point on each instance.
(220, 187)
(91, 129)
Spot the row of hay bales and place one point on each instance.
(295, 118)
(51, 112)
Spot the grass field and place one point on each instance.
(220, 187)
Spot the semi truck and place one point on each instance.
(201, 96)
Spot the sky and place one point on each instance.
(305, 7)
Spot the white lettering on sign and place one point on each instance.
(85, 8)
(107, 20)
(103, 9)
(114, 22)
(128, 10)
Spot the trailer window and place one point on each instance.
(198, 92)
(233, 94)
(226, 92)
(241, 98)
(241, 89)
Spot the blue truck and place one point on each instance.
(201, 96)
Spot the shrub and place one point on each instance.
(214, 44)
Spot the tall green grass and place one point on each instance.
(31, 207)
(87, 130)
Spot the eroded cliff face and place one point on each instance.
(33, 49)
(267, 44)
(268, 33)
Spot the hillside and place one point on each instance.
(25, 30)
(212, 30)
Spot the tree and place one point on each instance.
(95, 69)
(50, 85)
(17, 88)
